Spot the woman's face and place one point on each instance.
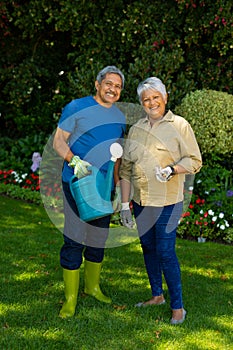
(154, 103)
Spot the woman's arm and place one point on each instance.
(125, 191)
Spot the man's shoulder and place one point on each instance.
(81, 102)
(75, 106)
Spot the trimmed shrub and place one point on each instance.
(210, 113)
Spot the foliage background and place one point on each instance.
(52, 50)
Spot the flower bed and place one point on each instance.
(209, 213)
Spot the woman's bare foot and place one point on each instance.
(157, 300)
(178, 316)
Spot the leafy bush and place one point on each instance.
(17, 154)
(210, 211)
(211, 115)
(17, 192)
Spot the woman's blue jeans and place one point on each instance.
(157, 230)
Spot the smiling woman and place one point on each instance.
(160, 149)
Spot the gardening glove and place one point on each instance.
(80, 167)
(165, 174)
(116, 204)
(126, 216)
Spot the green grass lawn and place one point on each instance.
(32, 293)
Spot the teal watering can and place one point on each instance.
(92, 193)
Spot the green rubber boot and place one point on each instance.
(92, 279)
(71, 283)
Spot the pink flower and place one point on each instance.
(224, 22)
(156, 44)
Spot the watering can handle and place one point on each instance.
(71, 181)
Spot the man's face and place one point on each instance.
(109, 91)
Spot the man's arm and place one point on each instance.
(60, 144)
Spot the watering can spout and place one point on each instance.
(92, 193)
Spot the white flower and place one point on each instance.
(226, 223)
(222, 227)
(16, 175)
(221, 215)
(214, 218)
(206, 192)
(190, 188)
(198, 181)
(201, 211)
(210, 212)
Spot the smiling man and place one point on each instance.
(87, 128)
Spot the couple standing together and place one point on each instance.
(159, 150)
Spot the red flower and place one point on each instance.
(200, 201)
(186, 214)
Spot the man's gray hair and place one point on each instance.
(151, 83)
(110, 69)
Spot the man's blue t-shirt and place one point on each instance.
(93, 129)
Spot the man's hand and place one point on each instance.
(165, 174)
(126, 216)
(116, 204)
(80, 167)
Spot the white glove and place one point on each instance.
(116, 204)
(126, 216)
(165, 174)
(80, 167)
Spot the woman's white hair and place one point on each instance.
(151, 83)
